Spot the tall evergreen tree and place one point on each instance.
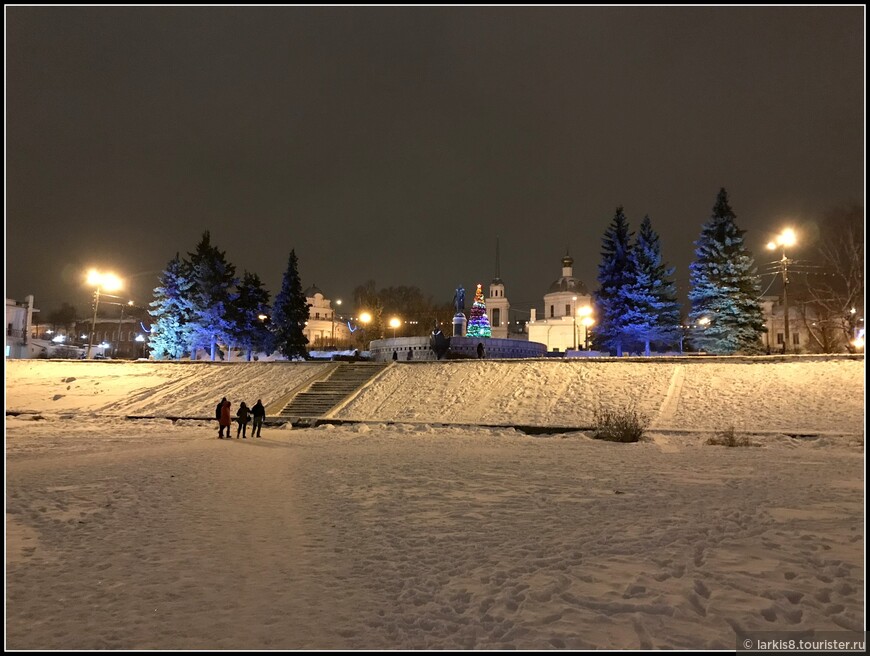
(172, 311)
(726, 312)
(615, 274)
(290, 313)
(248, 330)
(214, 285)
(652, 314)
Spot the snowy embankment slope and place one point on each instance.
(155, 535)
(801, 394)
(163, 389)
(791, 394)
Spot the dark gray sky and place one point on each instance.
(396, 144)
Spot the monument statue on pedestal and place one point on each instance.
(459, 317)
(459, 299)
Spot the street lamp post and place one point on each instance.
(395, 323)
(337, 302)
(587, 321)
(365, 318)
(103, 282)
(120, 321)
(785, 238)
(574, 313)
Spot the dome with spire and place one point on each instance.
(567, 282)
(311, 291)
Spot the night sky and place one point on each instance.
(397, 144)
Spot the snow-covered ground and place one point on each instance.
(152, 534)
(155, 535)
(791, 395)
(750, 394)
(165, 389)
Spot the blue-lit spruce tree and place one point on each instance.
(652, 312)
(615, 274)
(213, 292)
(172, 312)
(726, 314)
(290, 312)
(249, 331)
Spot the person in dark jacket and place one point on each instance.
(259, 413)
(217, 414)
(480, 351)
(410, 355)
(395, 355)
(244, 416)
(225, 419)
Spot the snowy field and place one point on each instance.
(152, 534)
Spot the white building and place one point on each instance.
(498, 309)
(806, 332)
(559, 326)
(19, 327)
(323, 327)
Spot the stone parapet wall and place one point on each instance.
(495, 348)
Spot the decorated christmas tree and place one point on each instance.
(478, 324)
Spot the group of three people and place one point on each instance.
(243, 416)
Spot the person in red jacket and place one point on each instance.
(225, 420)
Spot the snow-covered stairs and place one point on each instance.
(323, 395)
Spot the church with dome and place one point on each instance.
(566, 304)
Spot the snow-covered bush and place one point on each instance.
(619, 425)
(729, 437)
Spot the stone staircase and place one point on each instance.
(323, 395)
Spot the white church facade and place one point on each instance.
(564, 324)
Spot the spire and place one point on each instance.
(497, 279)
(567, 265)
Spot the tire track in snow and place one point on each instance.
(668, 409)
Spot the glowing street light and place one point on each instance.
(587, 321)
(366, 318)
(584, 312)
(337, 302)
(786, 238)
(395, 323)
(104, 282)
